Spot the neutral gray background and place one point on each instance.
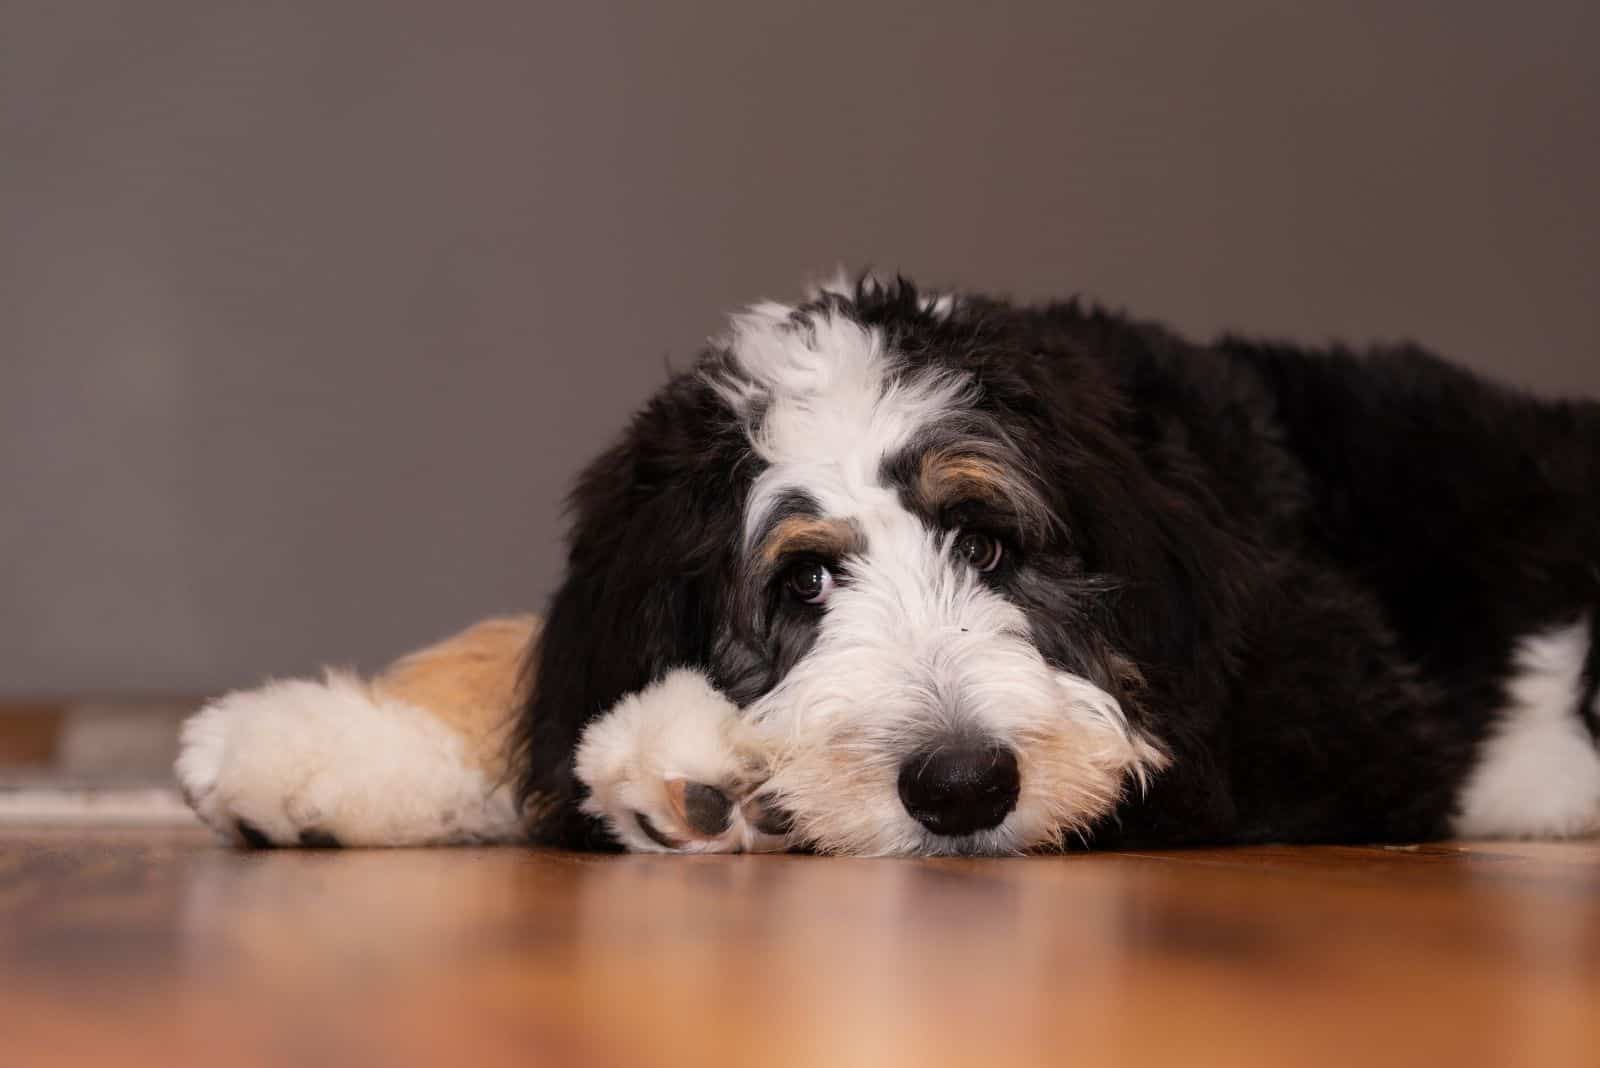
(309, 311)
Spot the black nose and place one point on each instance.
(960, 788)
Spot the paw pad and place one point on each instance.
(705, 809)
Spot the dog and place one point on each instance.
(893, 571)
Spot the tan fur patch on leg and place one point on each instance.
(472, 682)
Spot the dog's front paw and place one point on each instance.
(674, 769)
(304, 763)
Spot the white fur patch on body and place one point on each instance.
(1538, 774)
(299, 759)
(637, 758)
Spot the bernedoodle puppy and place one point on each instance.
(901, 572)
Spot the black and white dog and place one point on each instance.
(893, 572)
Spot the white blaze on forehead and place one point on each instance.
(827, 402)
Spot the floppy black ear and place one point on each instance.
(1175, 574)
(1180, 580)
(655, 523)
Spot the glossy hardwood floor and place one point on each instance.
(161, 948)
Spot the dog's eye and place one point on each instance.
(809, 581)
(980, 550)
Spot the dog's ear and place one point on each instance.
(1180, 578)
(1179, 574)
(653, 540)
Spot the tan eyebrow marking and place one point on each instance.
(830, 538)
(946, 478)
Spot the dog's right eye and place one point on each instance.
(809, 581)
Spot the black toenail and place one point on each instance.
(654, 833)
(252, 835)
(315, 839)
(706, 808)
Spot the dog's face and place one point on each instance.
(909, 550)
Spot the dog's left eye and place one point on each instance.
(980, 550)
(809, 581)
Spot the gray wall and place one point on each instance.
(309, 311)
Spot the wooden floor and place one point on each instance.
(160, 948)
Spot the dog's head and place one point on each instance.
(910, 539)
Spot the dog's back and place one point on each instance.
(1468, 509)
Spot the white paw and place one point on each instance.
(323, 763)
(674, 769)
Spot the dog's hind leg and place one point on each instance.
(413, 756)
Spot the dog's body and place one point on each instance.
(898, 573)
